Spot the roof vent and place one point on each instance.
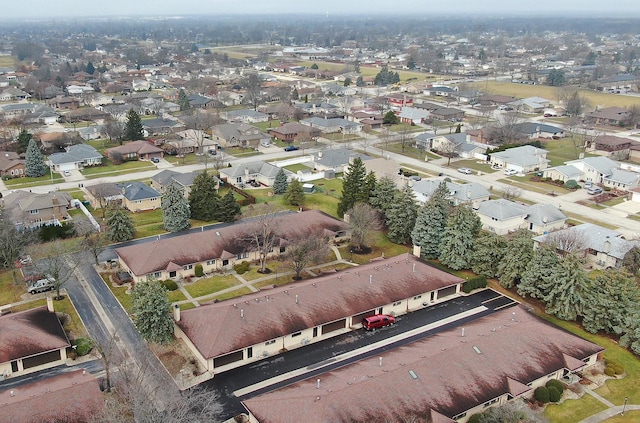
(413, 374)
(477, 350)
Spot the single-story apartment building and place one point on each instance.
(523, 159)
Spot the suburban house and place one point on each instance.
(615, 148)
(448, 113)
(190, 141)
(534, 130)
(31, 210)
(138, 196)
(495, 100)
(598, 170)
(444, 378)
(608, 116)
(523, 159)
(531, 104)
(238, 135)
(449, 142)
(245, 116)
(618, 83)
(263, 324)
(160, 126)
(11, 165)
(603, 248)
(102, 195)
(337, 160)
(259, 171)
(292, 131)
(399, 100)
(503, 216)
(134, 150)
(75, 157)
(470, 193)
(333, 125)
(32, 340)
(413, 115)
(160, 181)
(221, 248)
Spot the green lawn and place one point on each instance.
(74, 328)
(210, 285)
(110, 169)
(381, 245)
(26, 182)
(296, 167)
(175, 296)
(10, 293)
(233, 294)
(563, 150)
(267, 125)
(571, 411)
(120, 292)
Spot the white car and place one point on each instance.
(465, 170)
(510, 172)
(66, 173)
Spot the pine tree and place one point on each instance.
(151, 311)
(458, 238)
(90, 69)
(612, 295)
(175, 209)
(229, 208)
(353, 185)
(204, 200)
(34, 165)
(294, 194)
(383, 194)
(24, 137)
(431, 221)
(537, 279)
(515, 260)
(133, 127)
(401, 216)
(280, 182)
(566, 298)
(120, 226)
(490, 249)
(370, 183)
(183, 101)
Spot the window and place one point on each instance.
(225, 262)
(417, 297)
(488, 403)
(397, 303)
(293, 335)
(33, 211)
(157, 274)
(282, 249)
(273, 341)
(188, 267)
(459, 416)
(211, 262)
(242, 255)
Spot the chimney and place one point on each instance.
(176, 312)
(50, 304)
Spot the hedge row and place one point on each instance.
(474, 283)
(242, 267)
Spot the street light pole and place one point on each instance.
(624, 406)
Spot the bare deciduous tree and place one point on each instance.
(261, 237)
(56, 264)
(305, 251)
(364, 220)
(566, 241)
(511, 193)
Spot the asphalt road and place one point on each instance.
(323, 352)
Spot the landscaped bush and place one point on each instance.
(619, 369)
(571, 184)
(199, 271)
(541, 394)
(609, 371)
(554, 394)
(242, 267)
(169, 284)
(556, 384)
(476, 418)
(474, 283)
(83, 346)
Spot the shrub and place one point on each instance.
(241, 268)
(476, 418)
(618, 369)
(83, 346)
(554, 394)
(541, 394)
(199, 271)
(169, 284)
(474, 283)
(556, 384)
(609, 371)
(571, 184)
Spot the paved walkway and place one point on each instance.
(612, 411)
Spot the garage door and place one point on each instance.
(340, 324)
(227, 359)
(38, 360)
(445, 292)
(358, 317)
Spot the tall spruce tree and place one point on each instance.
(401, 216)
(175, 209)
(133, 127)
(204, 200)
(24, 137)
(538, 277)
(353, 186)
(612, 295)
(151, 311)
(183, 101)
(566, 299)
(382, 196)
(458, 239)
(34, 165)
(229, 208)
(490, 248)
(120, 226)
(431, 221)
(294, 194)
(517, 256)
(280, 182)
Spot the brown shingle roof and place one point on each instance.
(138, 147)
(74, 396)
(29, 333)
(257, 317)
(451, 376)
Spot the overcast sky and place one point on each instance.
(75, 8)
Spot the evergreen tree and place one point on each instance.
(490, 248)
(90, 69)
(294, 194)
(280, 183)
(383, 194)
(360, 82)
(204, 200)
(353, 186)
(537, 279)
(120, 226)
(631, 260)
(24, 137)
(183, 101)
(370, 183)
(229, 208)
(175, 209)
(515, 260)
(458, 238)
(151, 312)
(133, 127)
(390, 118)
(566, 297)
(401, 216)
(34, 165)
(431, 221)
(612, 295)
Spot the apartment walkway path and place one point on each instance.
(612, 411)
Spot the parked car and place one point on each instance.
(595, 190)
(465, 170)
(378, 321)
(66, 173)
(41, 285)
(155, 160)
(212, 152)
(588, 184)
(510, 172)
(291, 148)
